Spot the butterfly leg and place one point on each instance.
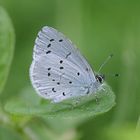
(77, 102)
(68, 105)
(96, 99)
(104, 90)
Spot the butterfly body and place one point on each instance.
(58, 71)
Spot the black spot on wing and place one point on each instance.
(51, 40)
(48, 52)
(60, 40)
(61, 61)
(58, 83)
(53, 90)
(78, 73)
(61, 68)
(49, 45)
(64, 94)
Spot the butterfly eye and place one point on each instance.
(99, 78)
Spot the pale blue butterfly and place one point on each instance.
(58, 70)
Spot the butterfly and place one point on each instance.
(58, 70)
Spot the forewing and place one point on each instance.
(58, 70)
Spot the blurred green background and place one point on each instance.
(98, 28)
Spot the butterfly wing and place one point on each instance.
(58, 70)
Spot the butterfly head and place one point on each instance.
(100, 78)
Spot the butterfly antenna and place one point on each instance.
(114, 75)
(107, 59)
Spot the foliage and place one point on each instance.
(6, 46)
(98, 28)
(32, 105)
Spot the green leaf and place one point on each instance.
(87, 107)
(42, 131)
(7, 133)
(7, 41)
(138, 124)
(126, 132)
